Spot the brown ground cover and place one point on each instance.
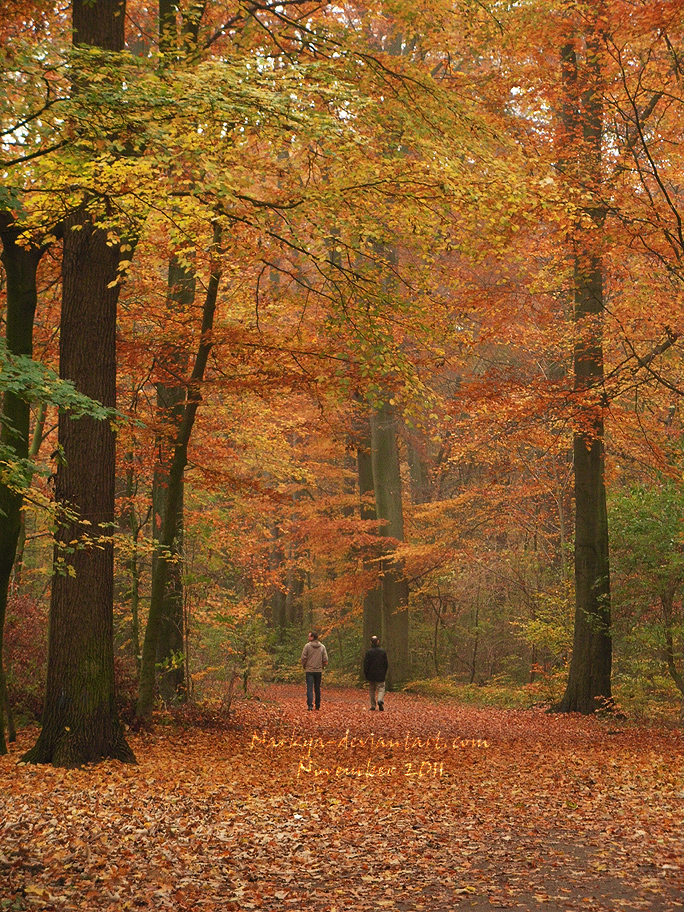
(427, 806)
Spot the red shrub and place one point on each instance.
(25, 653)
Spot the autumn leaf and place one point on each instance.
(220, 816)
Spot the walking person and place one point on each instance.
(375, 667)
(314, 660)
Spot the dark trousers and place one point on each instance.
(313, 686)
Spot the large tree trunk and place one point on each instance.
(21, 265)
(589, 680)
(80, 718)
(388, 506)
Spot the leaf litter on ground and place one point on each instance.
(427, 806)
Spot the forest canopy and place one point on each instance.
(362, 318)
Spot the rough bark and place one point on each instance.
(80, 718)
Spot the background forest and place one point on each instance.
(361, 317)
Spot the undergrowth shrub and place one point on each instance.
(25, 654)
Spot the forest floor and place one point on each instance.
(427, 806)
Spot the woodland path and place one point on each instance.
(428, 806)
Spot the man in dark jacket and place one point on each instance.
(375, 667)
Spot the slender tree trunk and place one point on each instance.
(667, 601)
(134, 570)
(171, 395)
(169, 531)
(372, 600)
(21, 265)
(276, 602)
(135, 524)
(419, 475)
(294, 608)
(388, 506)
(435, 638)
(473, 660)
(170, 648)
(589, 679)
(34, 449)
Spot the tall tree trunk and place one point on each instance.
(170, 644)
(388, 506)
(372, 603)
(372, 600)
(171, 394)
(164, 548)
(21, 265)
(136, 524)
(589, 680)
(276, 603)
(80, 718)
(473, 659)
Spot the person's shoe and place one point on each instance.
(372, 709)
(309, 708)
(381, 706)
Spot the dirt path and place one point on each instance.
(424, 807)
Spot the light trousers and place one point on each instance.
(376, 691)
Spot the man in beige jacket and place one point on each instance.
(314, 660)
